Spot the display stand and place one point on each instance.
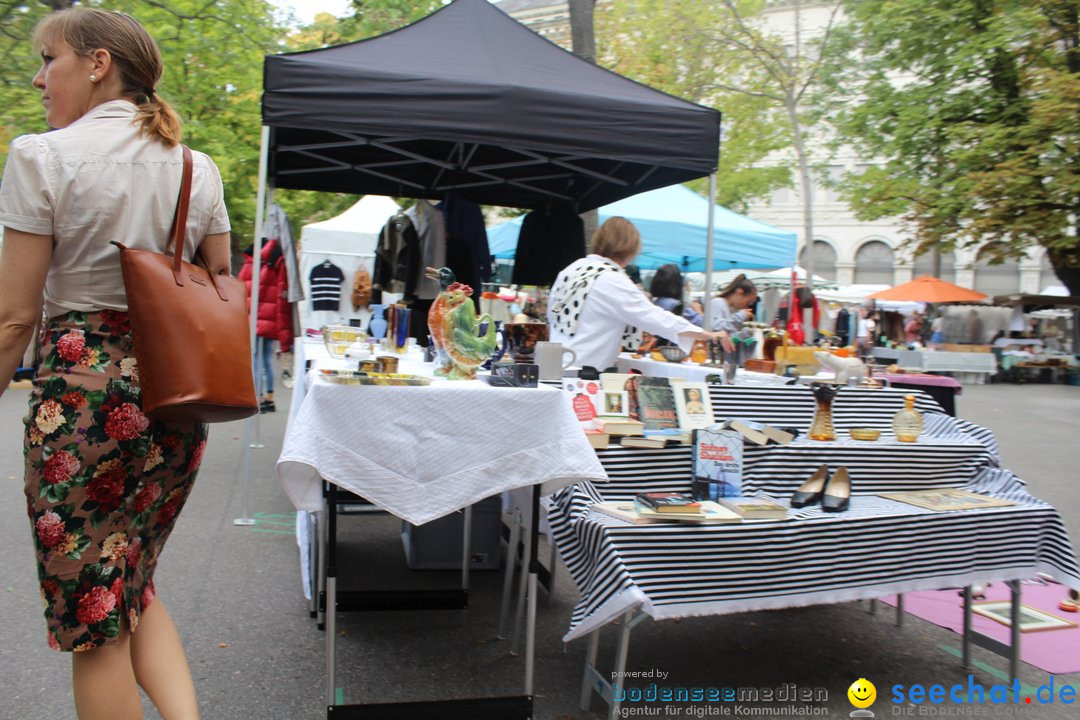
(332, 601)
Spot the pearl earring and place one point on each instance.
(93, 78)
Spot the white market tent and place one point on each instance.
(348, 241)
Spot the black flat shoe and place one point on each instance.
(812, 489)
(838, 492)
(267, 406)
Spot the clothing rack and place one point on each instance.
(345, 254)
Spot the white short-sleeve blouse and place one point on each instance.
(99, 180)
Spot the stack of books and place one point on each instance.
(667, 507)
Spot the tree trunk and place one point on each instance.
(583, 42)
(1066, 266)
(582, 33)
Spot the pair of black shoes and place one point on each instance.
(833, 491)
(267, 406)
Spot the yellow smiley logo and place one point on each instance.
(862, 693)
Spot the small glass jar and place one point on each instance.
(700, 352)
(907, 424)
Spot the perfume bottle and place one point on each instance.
(908, 423)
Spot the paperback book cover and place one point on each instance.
(717, 463)
(656, 403)
(755, 508)
(692, 405)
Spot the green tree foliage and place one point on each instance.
(366, 19)
(212, 54)
(719, 54)
(973, 108)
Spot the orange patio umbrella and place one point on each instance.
(929, 289)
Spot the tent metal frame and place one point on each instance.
(459, 160)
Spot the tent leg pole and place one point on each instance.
(709, 237)
(250, 424)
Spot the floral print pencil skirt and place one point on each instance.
(104, 484)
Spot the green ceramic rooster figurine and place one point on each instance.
(455, 328)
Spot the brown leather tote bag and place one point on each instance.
(191, 331)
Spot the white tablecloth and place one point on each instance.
(941, 361)
(423, 452)
(692, 371)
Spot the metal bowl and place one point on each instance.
(672, 353)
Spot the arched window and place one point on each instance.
(1000, 279)
(924, 265)
(824, 260)
(874, 263)
(1047, 276)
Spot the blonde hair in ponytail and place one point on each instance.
(134, 53)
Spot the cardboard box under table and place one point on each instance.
(878, 547)
(422, 453)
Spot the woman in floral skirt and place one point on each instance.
(104, 484)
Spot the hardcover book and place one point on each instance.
(717, 463)
(692, 405)
(656, 403)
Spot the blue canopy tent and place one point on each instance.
(674, 229)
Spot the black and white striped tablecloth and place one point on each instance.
(878, 547)
(793, 405)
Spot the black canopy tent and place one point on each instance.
(469, 100)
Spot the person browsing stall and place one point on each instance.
(666, 289)
(103, 483)
(733, 305)
(593, 303)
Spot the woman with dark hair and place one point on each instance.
(733, 305)
(103, 483)
(593, 302)
(666, 289)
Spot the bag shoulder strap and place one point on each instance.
(180, 219)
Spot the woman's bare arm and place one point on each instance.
(24, 264)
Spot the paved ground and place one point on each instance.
(256, 653)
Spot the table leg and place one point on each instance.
(534, 574)
(523, 582)
(873, 606)
(320, 611)
(1014, 619)
(899, 609)
(466, 548)
(508, 572)
(621, 653)
(966, 641)
(314, 527)
(331, 591)
(590, 668)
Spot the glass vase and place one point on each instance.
(822, 426)
(378, 326)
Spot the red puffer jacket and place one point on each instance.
(274, 319)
